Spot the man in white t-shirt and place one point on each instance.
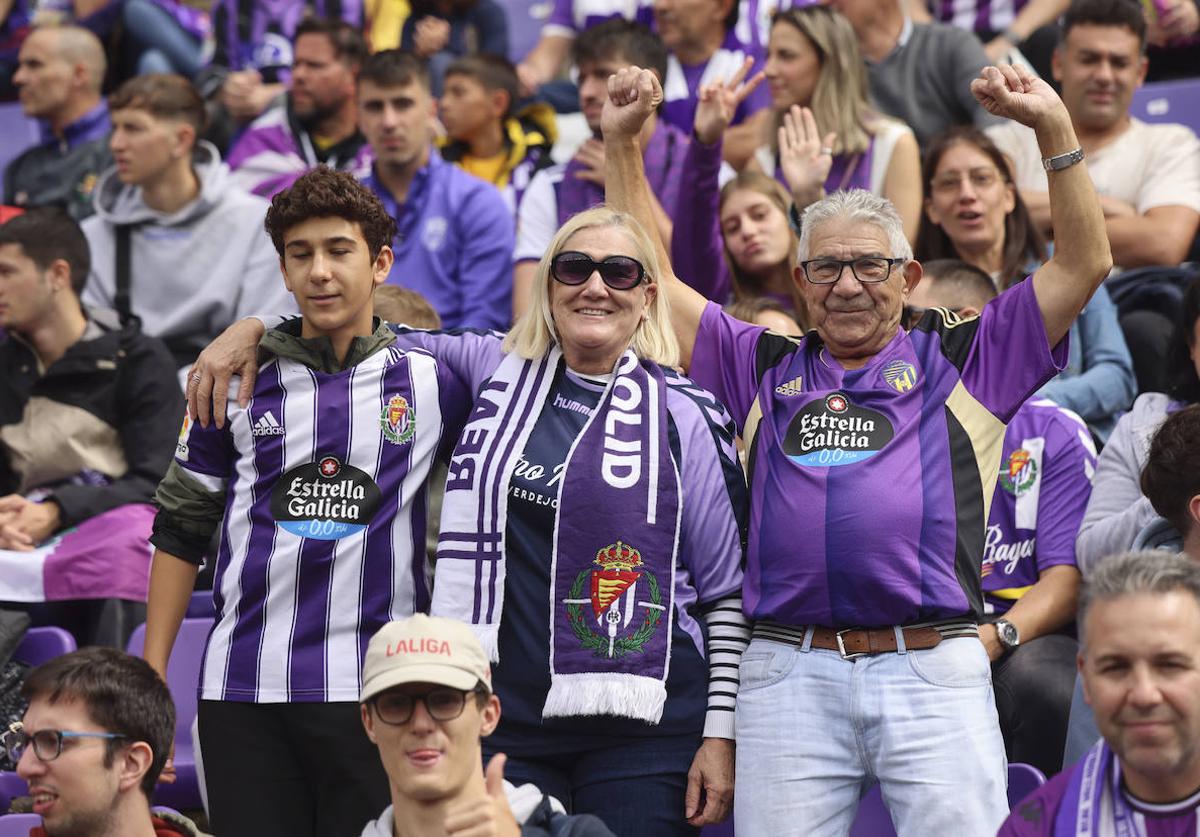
(1148, 176)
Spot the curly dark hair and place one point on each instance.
(1171, 476)
(123, 694)
(325, 193)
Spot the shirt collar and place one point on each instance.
(92, 125)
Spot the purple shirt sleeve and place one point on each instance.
(723, 360)
(1066, 485)
(1010, 357)
(471, 355)
(697, 252)
(485, 262)
(561, 17)
(207, 450)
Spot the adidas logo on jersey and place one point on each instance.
(267, 426)
(792, 387)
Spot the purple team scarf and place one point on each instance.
(1080, 812)
(616, 536)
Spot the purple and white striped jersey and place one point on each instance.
(324, 533)
(977, 15)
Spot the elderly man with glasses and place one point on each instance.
(92, 744)
(426, 702)
(873, 457)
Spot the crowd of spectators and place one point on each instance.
(936, 287)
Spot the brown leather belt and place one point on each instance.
(858, 642)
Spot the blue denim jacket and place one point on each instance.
(1098, 382)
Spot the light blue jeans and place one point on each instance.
(814, 731)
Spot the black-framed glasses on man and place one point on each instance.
(47, 743)
(866, 269)
(442, 704)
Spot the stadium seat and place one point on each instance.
(11, 786)
(1023, 779)
(200, 606)
(183, 676)
(18, 825)
(1169, 101)
(42, 644)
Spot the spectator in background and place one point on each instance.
(825, 136)
(253, 56)
(15, 22)
(568, 19)
(919, 73)
(315, 123)
(58, 78)
(88, 409)
(1173, 34)
(97, 16)
(394, 304)
(974, 212)
(766, 312)
(486, 134)
(165, 36)
(759, 244)
(1139, 635)
(683, 172)
(1171, 480)
(455, 232)
(703, 47)
(1148, 176)
(92, 745)
(1029, 26)
(1030, 580)
(173, 241)
(1118, 513)
(441, 31)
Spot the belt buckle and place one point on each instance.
(853, 655)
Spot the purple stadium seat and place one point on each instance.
(1169, 101)
(11, 786)
(18, 825)
(873, 819)
(1023, 779)
(183, 676)
(42, 644)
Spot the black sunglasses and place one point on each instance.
(618, 272)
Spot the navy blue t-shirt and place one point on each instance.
(522, 677)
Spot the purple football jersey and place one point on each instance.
(1044, 483)
(870, 487)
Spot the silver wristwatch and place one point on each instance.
(1007, 633)
(1062, 161)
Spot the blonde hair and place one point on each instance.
(839, 99)
(653, 339)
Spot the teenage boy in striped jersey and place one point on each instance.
(321, 482)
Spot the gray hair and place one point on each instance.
(1130, 573)
(855, 205)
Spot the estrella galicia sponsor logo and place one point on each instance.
(835, 431)
(326, 500)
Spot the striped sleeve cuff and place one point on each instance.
(728, 636)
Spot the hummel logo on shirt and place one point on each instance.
(792, 387)
(268, 425)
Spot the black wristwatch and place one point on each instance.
(1007, 633)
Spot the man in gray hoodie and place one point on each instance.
(173, 241)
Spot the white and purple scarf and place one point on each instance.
(616, 536)
(1096, 784)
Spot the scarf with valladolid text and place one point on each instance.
(616, 535)
(1095, 784)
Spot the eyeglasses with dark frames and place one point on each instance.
(47, 743)
(443, 704)
(866, 269)
(621, 273)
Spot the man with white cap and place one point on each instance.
(426, 702)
